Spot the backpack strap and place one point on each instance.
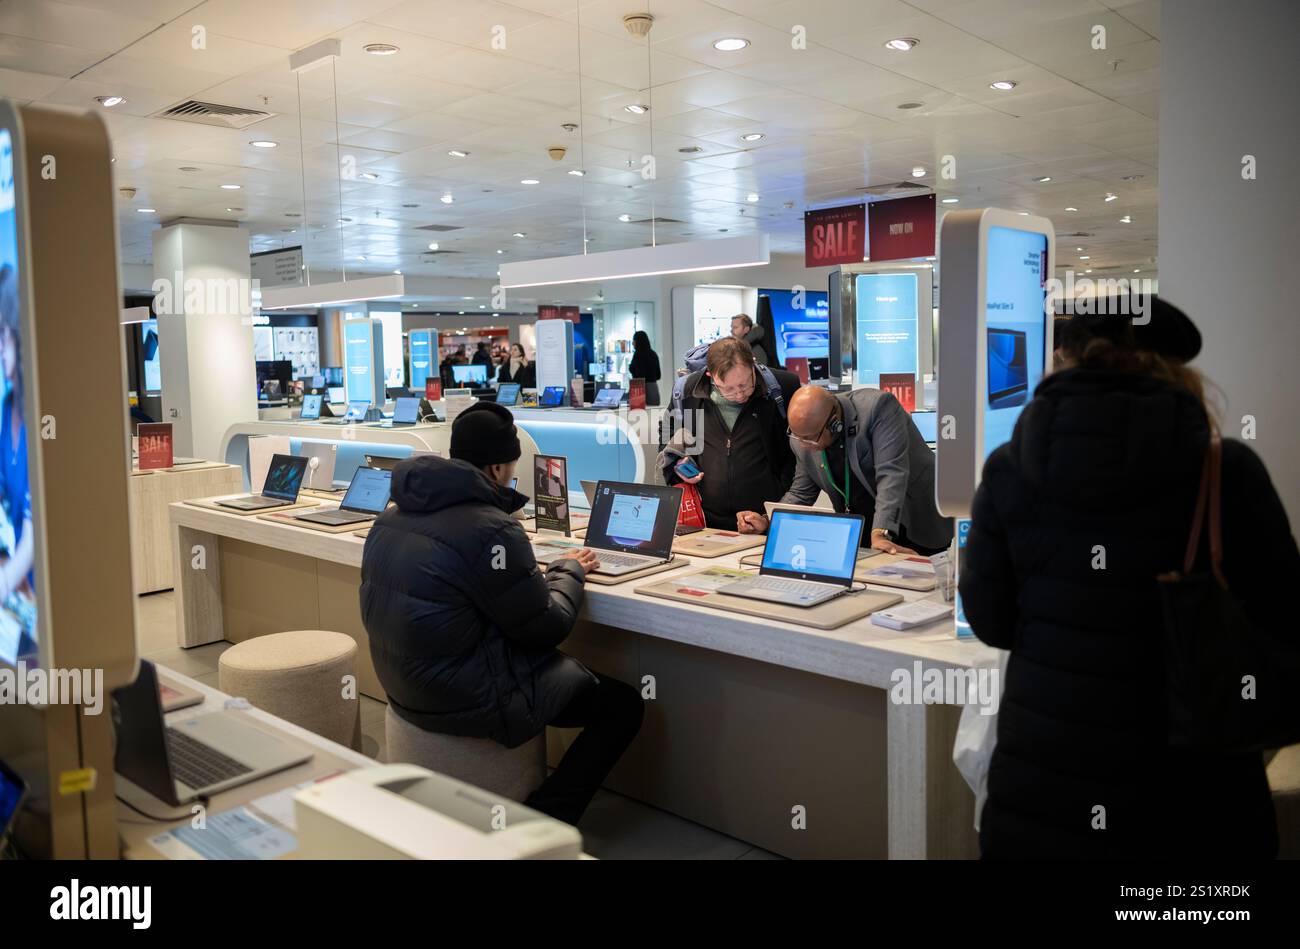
(773, 388)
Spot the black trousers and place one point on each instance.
(609, 712)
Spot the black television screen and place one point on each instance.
(278, 370)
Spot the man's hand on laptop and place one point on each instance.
(751, 522)
(584, 556)
(881, 541)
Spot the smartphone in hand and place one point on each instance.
(687, 468)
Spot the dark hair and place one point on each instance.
(523, 353)
(640, 340)
(726, 354)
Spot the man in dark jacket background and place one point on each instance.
(736, 432)
(464, 628)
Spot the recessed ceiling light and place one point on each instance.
(145, 211)
(1071, 209)
(380, 49)
(910, 105)
(433, 246)
(231, 187)
(529, 181)
(482, 306)
(577, 172)
(625, 218)
(1003, 85)
(1089, 270)
(1110, 196)
(951, 200)
(520, 234)
(362, 257)
(751, 136)
(1079, 249)
(1126, 219)
(918, 172)
(751, 197)
(1137, 271)
(447, 198)
(1023, 213)
(902, 44)
(457, 153)
(730, 44)
(1084, 257)
(467, 298)
(263, 143)
(500, 251)
(636, 108)
(1044, 180)
(234, 209)
(369, 176)
(460, 312)
(109, 101)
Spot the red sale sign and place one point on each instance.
(902, 386)
(155, 445)
(549, 311)
(433, 388)
(835, 236)
(902, 228)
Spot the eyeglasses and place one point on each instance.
(740, 389)
(816, 437)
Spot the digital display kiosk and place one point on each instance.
(363, 373)
(424, 357)
(881, 323)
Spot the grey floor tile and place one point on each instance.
(372, 711)
(619, 828)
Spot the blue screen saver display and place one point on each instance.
(1016, 327)
(800, 331)
(812, 543)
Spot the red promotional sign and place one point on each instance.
(636, 394)
(835, 236)
(799, 366)
(902, 228)
(549, 311)
(155, 445)
(433, 388)
(902, 386)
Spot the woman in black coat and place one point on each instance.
(517, 368)
(1075, 517)
(645, 365)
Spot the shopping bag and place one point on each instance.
(691, 513)
(977, 731)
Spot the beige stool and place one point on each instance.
(513, 773)
(1284, 779)
(298, 676)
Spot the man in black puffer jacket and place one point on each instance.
(464, 628)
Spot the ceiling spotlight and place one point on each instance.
(520, 234)
(730, 44)
(457, 153)
(625, 218)
(433, 246)
(362, 257)
(145, 211)
(577, 172)
(1089, 270)
(751, 137)
(752, 198)
(447, 198)
(1044, 180)
(500, 251)
(636, 108)
(369, 176)
(263, 143)
(1084, 257)
(529, 181)
(902, 44)
(951, 200)
(380, 49)
(1137, 271)
(109, 101)
(482, 306)
(1126, 219)
(1110, 196)
(1080, 249)
(1023, 213)
(918, 172)
(1003, 85)
(1071, 209)
(230, 187)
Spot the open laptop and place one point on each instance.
(336, 394)
(311, 407)
(357, 410)
(551, 397)
(195, 757)
(589, 489)
(366, 499)
(508, 393)
(406, 411)
(283, 480)
(608, 399)
(809, 559)
(631, 527)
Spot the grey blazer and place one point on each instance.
(889, 458)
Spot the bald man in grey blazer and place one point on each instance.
(864, 450)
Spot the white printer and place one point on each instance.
(404, 812)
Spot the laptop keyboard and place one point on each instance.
(618, 560)
(784, 585)
(198, 765)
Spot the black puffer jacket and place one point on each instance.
(463, 627)
(1102, 460)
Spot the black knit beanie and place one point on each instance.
(484, 434)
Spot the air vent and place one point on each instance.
(210, 113)
(897, 187)
(440, 228)
(657, 221)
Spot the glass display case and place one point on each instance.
(613, 327)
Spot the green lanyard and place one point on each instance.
(831, 478)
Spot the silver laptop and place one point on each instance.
(808, 559)
(195, 757)
(357, 410)
(366, 499)
(283, 480)
(631, 528)
(864, 553)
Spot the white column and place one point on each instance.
(206, 341)
(1228, 242)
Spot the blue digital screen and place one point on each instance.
(359, 359)
(801, 331)
(464, 374)
(422, 352)
(822, 544)
(406, 410)
(508, 393)
(886, 316)
(311, 406)
(1015, 323)
(152, 358)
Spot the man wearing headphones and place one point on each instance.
(863, 450)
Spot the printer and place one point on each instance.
(405, 812)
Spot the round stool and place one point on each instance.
(298, 676)
(513, 773)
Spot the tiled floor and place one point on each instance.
(614, 827)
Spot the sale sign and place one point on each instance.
(835, 236)
(433, 388)
(636, 394)
(155, 445)
(902, 228)
(902, 386)
(549, 311)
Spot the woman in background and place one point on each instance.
(518, 369)
(645, 365)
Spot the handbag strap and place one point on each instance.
(1208, 496)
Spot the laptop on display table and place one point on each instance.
(389, 462)
(336, 394)
(196, 757)
(357, 410)
(608, 399)
(508, 393)
(808, 559)
(311, 407)
(366, 499)
(551, 397)
(631, 528)
(406, 411)
(283, 480)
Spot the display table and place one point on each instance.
(151, 493)
(756, 726)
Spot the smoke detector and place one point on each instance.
(126, 193)
(557, 152)
(570, 126)
(638, 24)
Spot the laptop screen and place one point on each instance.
(608, 397)
(284, 477)
(311, 406)
(508, 393)
(551, 395)
(813, 546)
(357, 410)
(406, 410)
(368, 491)
(336, 394)
(469, 374)
(634, 518)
